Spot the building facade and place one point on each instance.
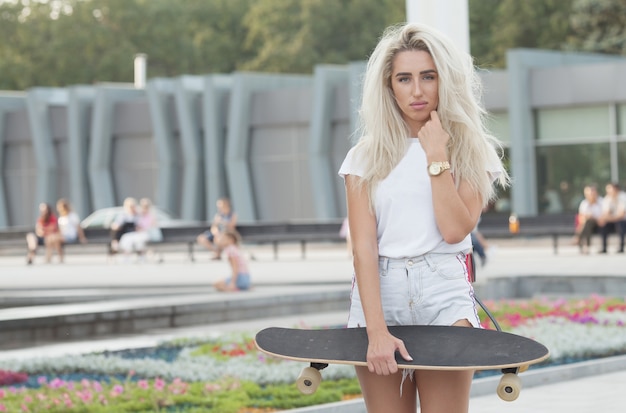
(273, 143)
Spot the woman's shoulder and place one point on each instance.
(353, 163)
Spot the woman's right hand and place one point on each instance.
(381, 353)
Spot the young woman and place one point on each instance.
(69, 223)
(416, 183)
(46, 234)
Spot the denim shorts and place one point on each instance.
(243, 281)
(432, 289)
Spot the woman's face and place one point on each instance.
(415, 85)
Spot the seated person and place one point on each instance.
(239, 280)
(146, 230)
(69, 223)
(124, 222)
(589, 212)
(224, 219)
(613, 218)
(46, 234)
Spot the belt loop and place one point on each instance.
(428, 259)
(383, 265)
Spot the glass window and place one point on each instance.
(621, 164)
(563, 171)
(621, 120)
(498, 125)
(576, 122)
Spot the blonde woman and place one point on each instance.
(416, 183)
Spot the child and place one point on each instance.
(240, 278)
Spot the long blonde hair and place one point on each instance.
(384, 133)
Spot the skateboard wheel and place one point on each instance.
(309, 380)
(509, 387)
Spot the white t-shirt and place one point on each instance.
(614, 206)
(405, 217)
(595, 209)
(68, 226)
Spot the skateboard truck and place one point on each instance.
(310, 378)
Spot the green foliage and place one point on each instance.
(226, 347)
(228, 395)
(507, 24)
(68, 42)
(598, 26)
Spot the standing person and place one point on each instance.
(46, 234)
(224, 219)
(416, 183)
(239, 279)
(589, 212)
(613, 216)
(479, 245)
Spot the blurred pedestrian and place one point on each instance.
(46, 234)
(239, 278)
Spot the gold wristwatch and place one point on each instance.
(436, 168)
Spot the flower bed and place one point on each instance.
(226, 374)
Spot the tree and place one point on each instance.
(598, 26)
(482, 14)
(294, 35)
(540, 24)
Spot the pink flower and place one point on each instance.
(143, 384)
(212, 387)
(3, 408)
(178, 386)
(117, 390)
(86, 396)
(56, 383)
(159, 384)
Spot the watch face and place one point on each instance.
(434, 169)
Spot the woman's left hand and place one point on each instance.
(434, 139)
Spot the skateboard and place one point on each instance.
(432, 348)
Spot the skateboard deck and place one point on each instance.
(432, 348)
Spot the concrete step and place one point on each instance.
(33, 325)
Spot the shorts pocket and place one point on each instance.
(449, 267)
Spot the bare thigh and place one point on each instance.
(444, 391)
(382, 393)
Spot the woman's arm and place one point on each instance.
(456, 210)
(362, 223)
